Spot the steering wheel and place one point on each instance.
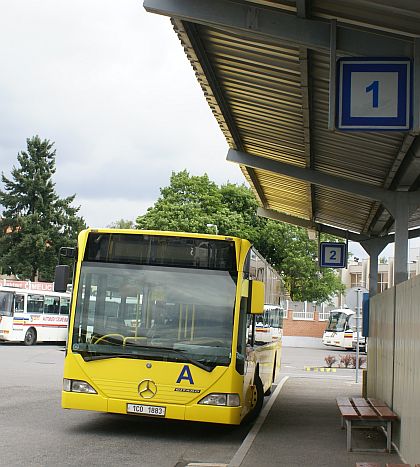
(99, 339)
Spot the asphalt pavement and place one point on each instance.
(299, 424)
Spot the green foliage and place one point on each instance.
(290, 251)
(122, 224)
(35, 222)
(190, 203)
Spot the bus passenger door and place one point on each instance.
(245, 353)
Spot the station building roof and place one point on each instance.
(264, 67)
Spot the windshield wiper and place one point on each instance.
(90, 355)
(87, 355)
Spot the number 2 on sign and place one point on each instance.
(374, 87)
(333, 255)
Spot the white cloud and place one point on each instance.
(92, 209)
(111, 86)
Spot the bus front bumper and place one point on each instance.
(194, 412)
(5, 335)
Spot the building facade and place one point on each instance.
(310, 319)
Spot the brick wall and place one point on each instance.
(296, 327)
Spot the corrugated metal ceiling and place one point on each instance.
(271, 101)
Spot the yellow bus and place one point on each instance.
(160, 326)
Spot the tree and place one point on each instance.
(191, 203)
(122, 224)
(188, 204)
(290, 251)
(35, 222)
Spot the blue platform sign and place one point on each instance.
(365, 314)
(374, 94)
(332, 255)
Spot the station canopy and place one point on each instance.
(265, 69)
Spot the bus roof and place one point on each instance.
(33, 292)
(167, 233)
(346, 311)
(272, 307)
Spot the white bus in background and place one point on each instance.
(269, 325)
(31, 316)
(340, 328)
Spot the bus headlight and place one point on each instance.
(75, 385)
(221, 399)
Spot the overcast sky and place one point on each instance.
(111, 85)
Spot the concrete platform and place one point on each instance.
(301, 427)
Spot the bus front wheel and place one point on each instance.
(30, 336)
(257, 399)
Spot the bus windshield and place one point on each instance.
(154, 312)
(337, 321)
(6, 301)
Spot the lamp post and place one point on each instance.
(358, 316)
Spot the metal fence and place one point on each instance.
(324, 312)
(304, 315)
(301, 311)
(305, 311)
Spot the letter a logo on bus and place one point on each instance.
(185, 374)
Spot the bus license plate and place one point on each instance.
(152, 410)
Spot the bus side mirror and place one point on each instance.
(256, 297)
(68, 252)
(61, 278)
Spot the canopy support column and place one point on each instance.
(401, 244)
(401, 207)
(373, 248)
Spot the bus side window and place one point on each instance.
(281, 317)
(19, 303)
(351, 323)
(250, 328)
(64, 306)
(51, 305)
(35, 303)
(242, 336)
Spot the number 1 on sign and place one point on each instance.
(374, 87)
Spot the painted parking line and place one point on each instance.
(321, 369)
(247, 442)
(205, 464)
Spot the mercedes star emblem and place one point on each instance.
(147, 389)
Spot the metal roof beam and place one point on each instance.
(303, 7)
(312, 176)
(257, 185)
(208, 69)
(404, 169)
(365, 240)
(306, 114)
(274, 25)
(307, 224)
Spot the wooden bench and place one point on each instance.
(358, 411)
